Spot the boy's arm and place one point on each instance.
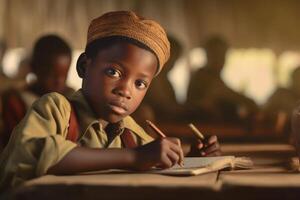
(164, 153)
(82, 159)
(38, 141)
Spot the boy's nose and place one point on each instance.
(123, 91)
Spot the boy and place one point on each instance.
(50, 62)
(123, 53)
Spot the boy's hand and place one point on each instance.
(209, 147)
(162, 153)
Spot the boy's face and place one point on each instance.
(116, 80)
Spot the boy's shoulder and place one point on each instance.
(53, 99)
(55, 96)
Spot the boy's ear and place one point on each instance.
(81, 65)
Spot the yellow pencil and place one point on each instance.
(196, 132)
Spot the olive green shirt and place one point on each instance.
(39, 140)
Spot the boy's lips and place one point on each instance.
(118, 107)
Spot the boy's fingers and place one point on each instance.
(200, 144)
(218, 153)
(179, 152)
(212, 148)
(215, 153)
(212, 139)
(174, 140)
(175, 145)
(165, 162)
(174, 157)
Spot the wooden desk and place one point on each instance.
(269, 179)
(117, 186)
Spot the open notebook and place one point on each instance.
(201, 165)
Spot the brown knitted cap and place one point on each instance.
(128, 24)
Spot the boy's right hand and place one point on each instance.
(162, 153)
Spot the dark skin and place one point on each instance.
(208, 147)
(117, 79)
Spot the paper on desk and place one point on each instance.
(202, 165)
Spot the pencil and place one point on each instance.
(196, 131)
(159, 132)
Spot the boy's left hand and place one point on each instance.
(209, 147)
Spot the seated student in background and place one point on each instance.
(210, 98)
(92, 130)
(50, 62)
(281, 103)
(5, 84)
(160, 104)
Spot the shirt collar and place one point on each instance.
(84, 113)
(87, 118)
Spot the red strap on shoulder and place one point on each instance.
(127, 139)
(14, 109)
(73, 130)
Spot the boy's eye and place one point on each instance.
(113, 72)
(140, 84)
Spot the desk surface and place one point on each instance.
(122, 179)
(269, 179)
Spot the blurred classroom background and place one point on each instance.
(262, 52)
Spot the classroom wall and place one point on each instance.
(248, 23)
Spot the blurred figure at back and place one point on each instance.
(5, 84)
(209, 97)
(281, 103)
(50, 62)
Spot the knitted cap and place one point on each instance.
(128, 24)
